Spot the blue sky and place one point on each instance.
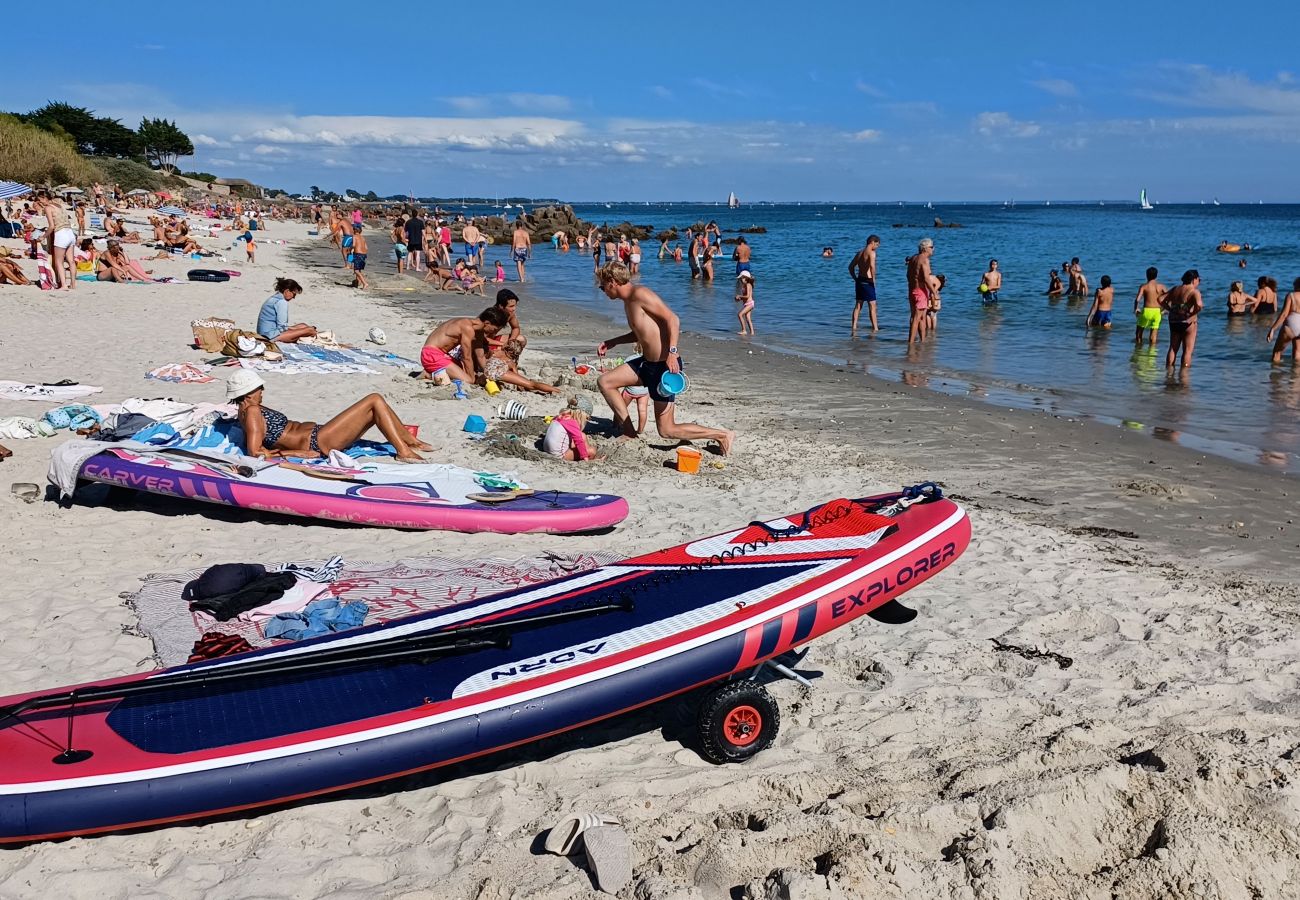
(776, 101)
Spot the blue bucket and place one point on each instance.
(673, 383)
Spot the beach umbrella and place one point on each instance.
(171, 210)
(69, 189)
(137, 192)
(10, 189)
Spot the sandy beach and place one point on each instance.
(924, 762)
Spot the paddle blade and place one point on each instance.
(893, 613)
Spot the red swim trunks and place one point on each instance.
(920, 298)
(433, 360)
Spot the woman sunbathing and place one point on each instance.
(269, 433)
(10, 272)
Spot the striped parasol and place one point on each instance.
(171, 210)
(10, 189)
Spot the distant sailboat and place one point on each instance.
(1143, 200)
(733, 202)
(1216, 201)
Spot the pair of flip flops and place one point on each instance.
(602, 839)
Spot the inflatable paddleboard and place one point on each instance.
(393, 496)
(326, 714)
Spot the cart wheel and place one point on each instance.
(736, 721)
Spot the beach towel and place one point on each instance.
(390, 590)
(50, 393)
(181, 373)
(316, 359)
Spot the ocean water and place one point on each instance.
(1027, 351)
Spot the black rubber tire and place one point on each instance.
(736, 721)
(207, 275)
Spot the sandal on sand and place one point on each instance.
(565, 836)
(609, 856)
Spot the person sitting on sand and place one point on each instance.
(564, 438)
(1102, 305)
(117, 229)
(1239, 302)
(508, 302)
(112, 265)
(450, 347)
(469, 279)
(273, 319)
(269, 433)
(10, 271)
(85, 257)
(656, 328)
(501, 364)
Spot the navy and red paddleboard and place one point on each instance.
(375, 703)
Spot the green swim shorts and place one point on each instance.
(1148, 317)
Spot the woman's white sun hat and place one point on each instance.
(243, 381)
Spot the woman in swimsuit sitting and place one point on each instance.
(269, 433)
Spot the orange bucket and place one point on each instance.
(688, 460)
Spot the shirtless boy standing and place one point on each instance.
(521, 247)
(470, 235)
(656, 328)
(1102, 302)
(450, 348)
(1146, 306)
(992, 280)
(863, 271)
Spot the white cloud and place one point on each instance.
(869, 89)
(1057, 87)
(866, 135)
(1000, 124)
(204, 140)
(523, 102)
(503, 133)
(268, 150)
(661, 92)
(625, 148)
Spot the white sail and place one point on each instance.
(732, 200)
(1143, 200)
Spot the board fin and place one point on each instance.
(893, 613)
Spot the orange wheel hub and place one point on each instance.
(742, 726)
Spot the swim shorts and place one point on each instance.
(920, 298)
(434, 359)
(742, 267)
(400, 250)
(990, 297)
(1102, 317)
(347, 241)
(649, 373)
(358, 262)
(1149, 317)
(520, 254)
(864, 290)
(471, 249)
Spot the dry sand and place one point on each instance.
(924, 763)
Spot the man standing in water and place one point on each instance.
(470, 235)
(521, 247)
(863, 271)
(1146, 306)
(656, 328)
(919, 289)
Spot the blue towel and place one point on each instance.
(320, 617)
(74, 416)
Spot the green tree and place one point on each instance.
(315, 192)
(163, 143)
(109, 137)
(91, 134)
(371, 196)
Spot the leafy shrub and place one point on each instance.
(33, 156)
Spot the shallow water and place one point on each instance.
(1026, 351)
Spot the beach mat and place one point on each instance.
(391, 590)
(315, 359)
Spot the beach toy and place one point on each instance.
(512, 409)
(475, 424)
(673, 383)
(492, 387)
(460, 389)
(414, 430)
(376, 336)
(688, 460)
(582, 370)
(984, 288)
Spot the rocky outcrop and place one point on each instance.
(544, 222)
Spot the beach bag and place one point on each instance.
(210, 334)
(248, 344)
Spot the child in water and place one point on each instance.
(1099, 315)
(501, 273)
(746, 299)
